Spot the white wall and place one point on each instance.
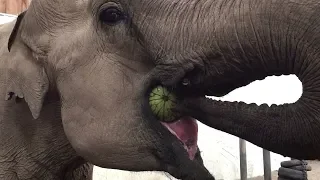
(224, 149)
(220, 151)
(4, 18)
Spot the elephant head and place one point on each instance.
(98, 59)
(252, 40)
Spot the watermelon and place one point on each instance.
(162, 101)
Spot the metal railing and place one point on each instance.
(243, 162)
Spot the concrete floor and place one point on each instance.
(314, 174)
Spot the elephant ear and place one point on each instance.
(25, 77)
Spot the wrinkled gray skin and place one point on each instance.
(75, 89)
(75, 86)
(255, 39)
(247, 41)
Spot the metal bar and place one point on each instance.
(266, 165)
(243, 159)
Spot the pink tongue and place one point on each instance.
(186, 130)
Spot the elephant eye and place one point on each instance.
(111, 15)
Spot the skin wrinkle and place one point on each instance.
(309, 66)
(248, 35)
(274, 65)
(40, 23)
(300, 65)
(270, 36)
(237, 29)
(251, 18)
(174, 24)
(216, 43)
(102, 75)
(36, 165)
(269, 49)
(231, 6)
(275, 38)
(281, 54)
(310, 80)
(306, 123)
(299, 61)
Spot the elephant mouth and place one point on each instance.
(186, 130)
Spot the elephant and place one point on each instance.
(75, 77)
(251, 41)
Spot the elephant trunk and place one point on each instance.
(291, 130)
(257, 40)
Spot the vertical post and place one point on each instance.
(243, 159)
(266, 165)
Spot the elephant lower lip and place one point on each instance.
(186, 130)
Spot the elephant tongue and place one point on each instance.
(186, 130)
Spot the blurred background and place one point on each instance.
(220, 151)
(13, 6)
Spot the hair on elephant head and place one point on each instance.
(84, 69)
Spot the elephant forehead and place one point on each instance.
(80, 3)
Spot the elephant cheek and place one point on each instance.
(106, 143)
(80, 130)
